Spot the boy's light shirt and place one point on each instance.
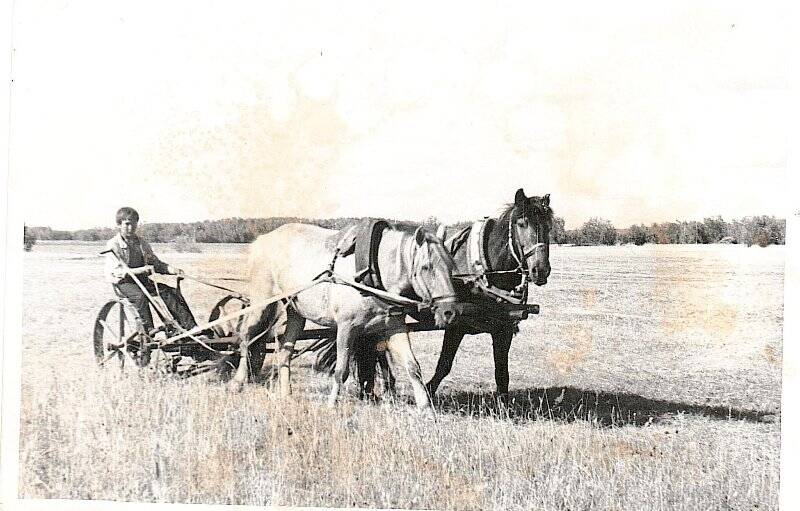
(114, 271)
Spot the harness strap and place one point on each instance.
(441, 232)
(258, 305)
(498, 293)
(338, 279)
(454, 242)
(325, 277)
(512, 247)
(479, 264)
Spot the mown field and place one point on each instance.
(650, 380)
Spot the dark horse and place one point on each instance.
(495, 259)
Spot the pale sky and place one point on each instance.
(203, 110)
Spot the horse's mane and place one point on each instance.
(409, 227)
(533, 209)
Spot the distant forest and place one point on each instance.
(756, 230)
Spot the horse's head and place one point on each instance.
(432, 277)
(529, 224)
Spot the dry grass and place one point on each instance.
(651, 380)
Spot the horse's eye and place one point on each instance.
(522, 222)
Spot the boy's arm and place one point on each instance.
(158, 265)
(113, 270)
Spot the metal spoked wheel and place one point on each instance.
(116, 338)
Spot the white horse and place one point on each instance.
(412, 263)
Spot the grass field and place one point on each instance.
(650, 380)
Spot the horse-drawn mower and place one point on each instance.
(120, 337)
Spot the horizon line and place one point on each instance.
(394, 219)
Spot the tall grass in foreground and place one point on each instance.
(103, 436)
(688, 336)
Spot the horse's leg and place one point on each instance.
(450, 343)
(294, 327)
(386, 371)
(257, 354)
(366, 358)
(501, 343)
(345, 336)
(399, 345)
(253, 324)
(242, 370)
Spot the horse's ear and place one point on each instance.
(546, 200)
(520, 198)
(420, 236)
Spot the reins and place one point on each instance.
(161, 307)
(385, 295)
(246, 310)
(328, 275)
(235, 293)
(325, 276)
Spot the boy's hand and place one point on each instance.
(144, 270)
(178, 272)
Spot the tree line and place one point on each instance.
(228, 230)
(753, 230)
(756, 230)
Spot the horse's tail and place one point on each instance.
(325, 361)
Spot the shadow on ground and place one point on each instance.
(570, 404)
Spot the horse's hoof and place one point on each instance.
(235, 386)
(427, 412)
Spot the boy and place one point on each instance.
(137, 254)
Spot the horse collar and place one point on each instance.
(366, 252)
(476, 247)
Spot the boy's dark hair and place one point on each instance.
(127, 213)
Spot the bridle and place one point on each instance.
(515, 246)
(521, 256)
